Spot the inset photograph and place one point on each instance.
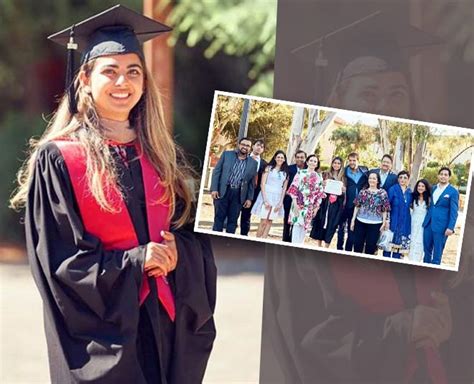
(342, 181)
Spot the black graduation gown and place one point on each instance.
(314, 334)
(96, 331)
(334, 212)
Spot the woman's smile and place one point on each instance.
(116, 84)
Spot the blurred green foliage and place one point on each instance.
(431, 174)
(14, 133)
(244, 28)
(24, 27)
(268, 121)
(353, 138)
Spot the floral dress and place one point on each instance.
(307, 187)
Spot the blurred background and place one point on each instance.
(216, 45)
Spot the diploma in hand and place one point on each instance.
(333, 187)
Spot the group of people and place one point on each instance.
(357, 203)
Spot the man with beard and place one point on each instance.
(232, 185)
(356, 180)
(441, 217)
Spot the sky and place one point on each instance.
(354, 117)
(372, 120)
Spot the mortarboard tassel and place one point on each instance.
(70, 89)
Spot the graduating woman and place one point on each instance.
(327, 219)
(400, 197)
(128, 288)
(306, 191)
(269, 203)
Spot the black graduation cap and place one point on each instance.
(117, 30)
(376, 42)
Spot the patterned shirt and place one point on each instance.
(237, 173)
(371, 205)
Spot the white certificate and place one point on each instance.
(333, 187)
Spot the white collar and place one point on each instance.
(441, 188)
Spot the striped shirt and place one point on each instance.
(237, 173)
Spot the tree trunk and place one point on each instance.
(398, 155)
(316, 128)
(410, 149)
(384, 140)
(295, 133)
(244, 119)
(420, 153)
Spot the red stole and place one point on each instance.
(121, 234)
(354, 279)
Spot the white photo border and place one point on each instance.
(315, 247)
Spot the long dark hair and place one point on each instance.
(340, 174)
(379, 181)
(426, 194)
(272, 164)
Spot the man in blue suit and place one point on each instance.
(232, 185)
(441, 217)
(387, 177)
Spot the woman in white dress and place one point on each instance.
(421, 200)
(269, 203)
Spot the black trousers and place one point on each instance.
(287, 227)
(227, 207)
(346, 219)
(246, 215)
(366, 235)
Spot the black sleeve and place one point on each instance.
(313, 334)
(195, 296)
(354, 343)
(91, 296)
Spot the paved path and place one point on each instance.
(235, 358)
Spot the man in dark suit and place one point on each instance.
(300, 163)
(356, 179)
(257, 149)
(387, 177)
(232, 185)
(441, 217)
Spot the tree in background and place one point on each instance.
(236, 28)
(268, 121)
(355, 138)
(307, 127)
(226, 122)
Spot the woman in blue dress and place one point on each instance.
(400, 196)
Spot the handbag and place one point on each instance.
(385, 240)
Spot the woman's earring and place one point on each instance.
(88, 90)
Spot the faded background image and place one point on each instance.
(332, 319)
(204, 53)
